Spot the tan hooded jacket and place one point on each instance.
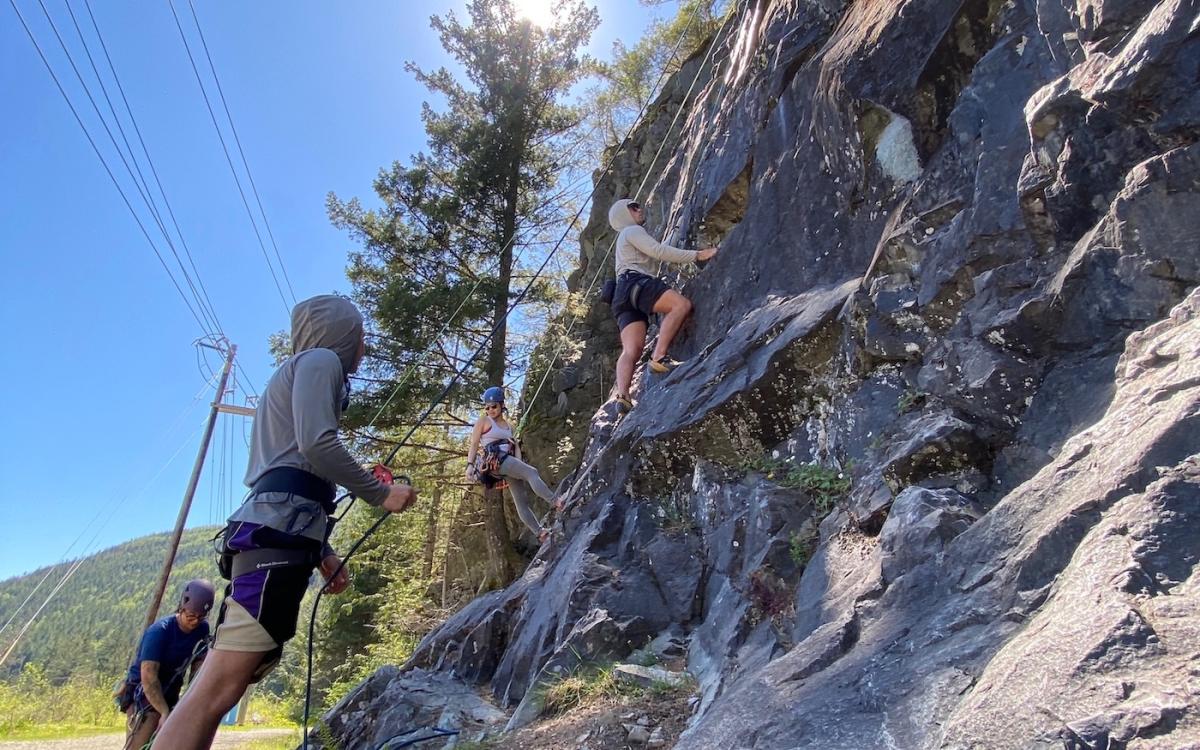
(636, 249)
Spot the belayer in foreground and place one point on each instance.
(280, 533)
(640, 293)
(493, 456)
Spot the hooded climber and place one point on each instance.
(639, 293)
(280, 534)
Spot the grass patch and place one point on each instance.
(584, 686)
(274, 743)
(674, 516)
(64, 731)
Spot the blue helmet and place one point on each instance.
(493, 395)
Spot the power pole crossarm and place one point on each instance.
(241, 411)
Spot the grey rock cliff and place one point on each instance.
(929, 476)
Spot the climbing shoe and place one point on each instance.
(543, 535)
(623, 404)
(664, 365)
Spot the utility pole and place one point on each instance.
(190, 492)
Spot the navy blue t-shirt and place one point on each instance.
(173, 649)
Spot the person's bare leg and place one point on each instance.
(633, 340)
(140, 728)
(220, 684)
(676, 308)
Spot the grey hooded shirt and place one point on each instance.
(636, 249)
(296, 421)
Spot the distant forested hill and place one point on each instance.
(91, 623)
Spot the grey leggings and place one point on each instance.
(523, 477)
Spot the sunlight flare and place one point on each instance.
(539, 12)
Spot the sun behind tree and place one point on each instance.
(541, 13)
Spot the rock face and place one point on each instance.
(929, 475)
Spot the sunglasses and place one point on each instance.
(493, 406)
(635, 207)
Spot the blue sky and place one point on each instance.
(105, 396)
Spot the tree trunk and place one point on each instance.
(501, 555)
(431, 525)
(502, 566)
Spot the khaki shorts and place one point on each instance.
(260, 611)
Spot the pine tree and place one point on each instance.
(453, 221)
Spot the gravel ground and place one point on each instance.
(225, 741)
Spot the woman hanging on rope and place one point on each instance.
(493, 457)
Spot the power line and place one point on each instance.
(229, 160)
(144, 193)
(238, 141)
(91, 544)
(145, 151)
(91, 141)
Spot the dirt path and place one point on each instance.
(226, 740)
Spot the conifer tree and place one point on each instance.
(452, 222)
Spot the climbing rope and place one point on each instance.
(641, 186)
(435, 733)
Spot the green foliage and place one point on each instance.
(328, 741)
(582, 687)
(826, 485)
(644, 658)
(627, 82)
(444, 242)
(93, 623)
(674, 516)
(32, 703)
(801, 546)
(909, 399)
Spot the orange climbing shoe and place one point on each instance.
(623, 404)
(664, 365)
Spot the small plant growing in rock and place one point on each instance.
(826, 485)
(908, 400)
(801, 545)
(644, 658)
(324, 733)
(769, 595)
(674, 517)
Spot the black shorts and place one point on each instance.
(261, 607)
(635, 297)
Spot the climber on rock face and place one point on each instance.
(639, 292)
(493, 456)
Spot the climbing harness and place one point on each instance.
(487, 465)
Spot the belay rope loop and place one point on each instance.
(437, 400)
